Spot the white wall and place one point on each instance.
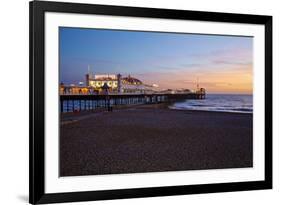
(14, 122)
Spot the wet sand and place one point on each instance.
(153, 139)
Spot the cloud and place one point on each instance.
(229, 62)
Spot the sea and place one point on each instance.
(218, 103)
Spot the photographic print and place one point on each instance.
(129, 102)
(143, 101)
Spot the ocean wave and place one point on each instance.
(218, 103)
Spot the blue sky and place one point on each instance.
(223, 64)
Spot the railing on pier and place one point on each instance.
(76, 103)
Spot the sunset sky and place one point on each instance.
(223, 64)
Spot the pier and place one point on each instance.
(76, 103)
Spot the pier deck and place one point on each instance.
(72, 103)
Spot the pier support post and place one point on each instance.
(61, 106)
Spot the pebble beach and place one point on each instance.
(153, 138)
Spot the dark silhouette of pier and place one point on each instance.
(73, 103)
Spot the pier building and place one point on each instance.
(117, 83)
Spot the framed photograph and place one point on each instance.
(130, 102)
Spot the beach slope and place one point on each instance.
(150, 139)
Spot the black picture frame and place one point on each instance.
(37, 193)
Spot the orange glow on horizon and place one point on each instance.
(232, 80)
